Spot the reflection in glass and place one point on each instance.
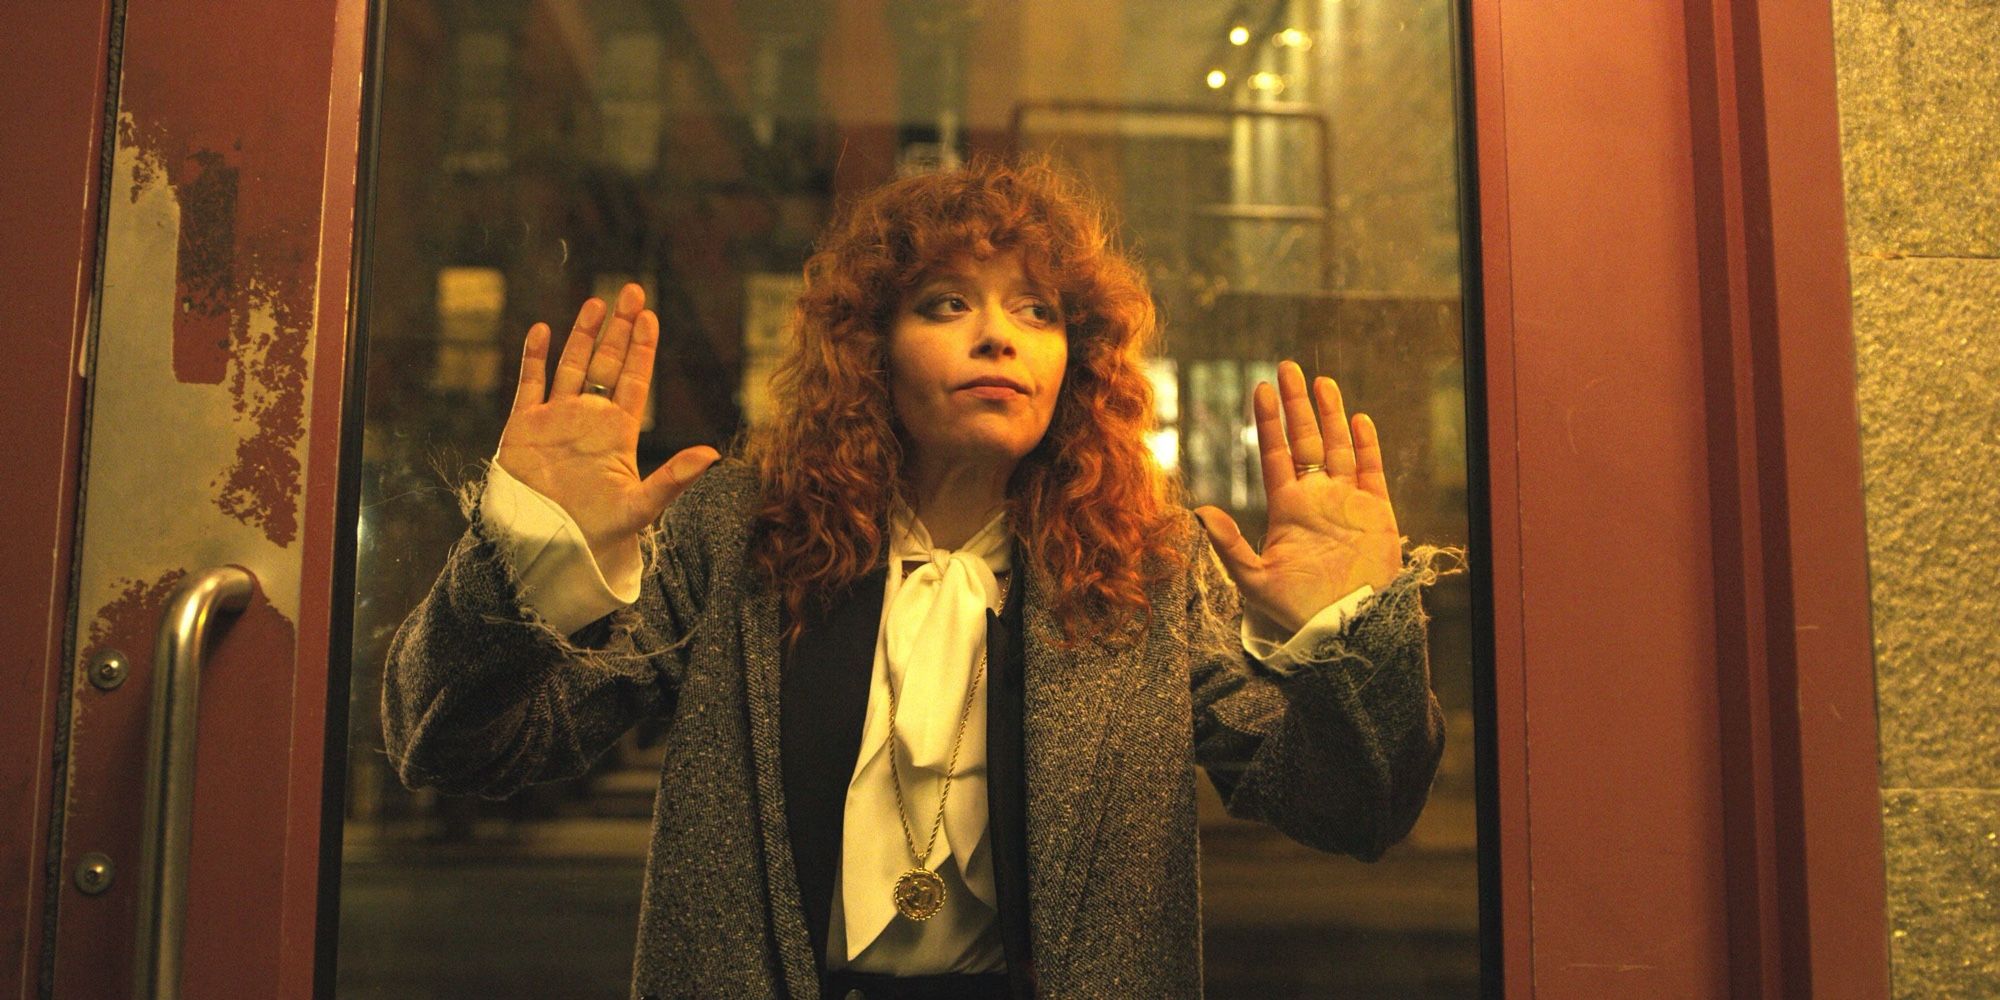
(1286, 169)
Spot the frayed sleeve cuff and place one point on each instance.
(560, 578)
(1268, 644)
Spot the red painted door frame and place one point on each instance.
(1684, 674)
(1684, 684)
(52, 69)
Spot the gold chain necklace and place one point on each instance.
(919, 893)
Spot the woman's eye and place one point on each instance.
(1041, 312)
(946, 305)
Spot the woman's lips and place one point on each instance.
(992, 391)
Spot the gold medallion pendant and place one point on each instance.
(919, 894)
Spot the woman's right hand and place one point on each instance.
(580, 449)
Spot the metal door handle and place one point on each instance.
(163, 851)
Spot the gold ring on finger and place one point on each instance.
(597, 389)
(1303, 469)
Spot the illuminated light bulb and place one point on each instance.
(1216, 78)
(1293, 38)
(1267, 81)
(1239, 35)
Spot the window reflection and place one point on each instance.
(1286, 170)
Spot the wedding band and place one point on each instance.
(595, 389)
(1303, 469)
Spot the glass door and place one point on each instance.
(1288, 170)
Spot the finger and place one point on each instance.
(1238, 558)
(1368, 457)
(1301, 425)
(576, 350)
(608, 360)
(534, 364)
(676, 474)
(1275, 455)
(637, 375)
(1333, 417)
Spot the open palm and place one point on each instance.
(1332, 529)
(576, 439)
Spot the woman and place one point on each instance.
(940, 650)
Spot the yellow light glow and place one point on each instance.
(1216, 78)
(1239, 35)
(1267, 81)
(1165, 444)
(1293, 38)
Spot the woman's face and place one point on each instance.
(976, 359)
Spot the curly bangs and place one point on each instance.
(1093, 511)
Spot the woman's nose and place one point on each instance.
(994, 335)
(993, 346)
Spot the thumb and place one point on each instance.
(676, 474)
(1235, 551)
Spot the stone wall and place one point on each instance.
(1920, 137)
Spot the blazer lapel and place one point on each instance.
(759, 625)
(1006, 789)
(1071, 704)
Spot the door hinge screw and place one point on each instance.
(93, 873)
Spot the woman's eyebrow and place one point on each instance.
(951, 275)
(1050, 295)
(943, 274)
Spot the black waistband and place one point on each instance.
(842, 984)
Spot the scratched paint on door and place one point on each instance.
(244, 293)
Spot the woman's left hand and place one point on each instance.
(1331, 530)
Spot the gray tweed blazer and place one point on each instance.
(483, 697)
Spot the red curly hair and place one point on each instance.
(1096, 515)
